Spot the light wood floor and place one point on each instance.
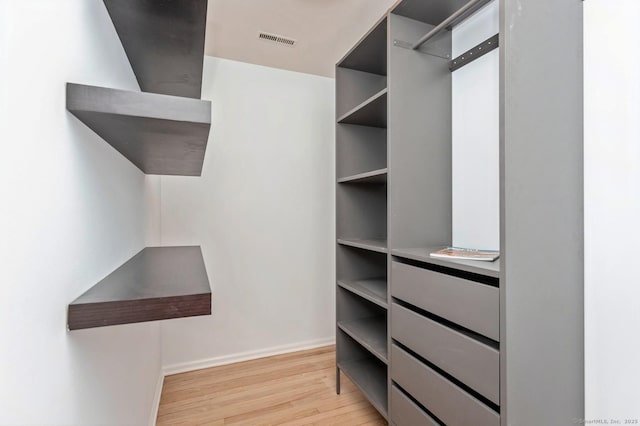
(291, 389)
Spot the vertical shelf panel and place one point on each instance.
(542, 208)
(419, 141)
(367, 372)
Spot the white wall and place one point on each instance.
(263, 212)
(612, 209)
(71, 210)
(475, 136)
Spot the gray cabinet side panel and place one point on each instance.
(541, 149)
(419, 149)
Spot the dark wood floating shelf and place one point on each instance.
(160, 134)
(157, 283)
(164, 41)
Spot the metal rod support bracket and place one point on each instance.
(432, 50)
(477, 52)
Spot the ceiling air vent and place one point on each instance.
(277, 39)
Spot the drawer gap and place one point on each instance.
(462, 330)
(415, 401)
(478, 278)
(449, 377)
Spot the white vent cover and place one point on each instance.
(277, 39)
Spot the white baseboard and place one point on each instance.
(245, 356)
(156, 400)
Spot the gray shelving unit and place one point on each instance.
(467, 342)
(362, 298)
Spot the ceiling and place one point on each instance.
(324, 31)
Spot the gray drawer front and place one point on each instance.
(473, 363)
(452, 405)
(405, 412)
(472, 305)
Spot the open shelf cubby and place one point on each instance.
(361, 150)
(160, 134)
(164, 42)
(362, 216)
(370, 53)
(157, 283)
(362, 272)
(367, 372)
(356, 89)
(372, 289)
(364, 321)
(371, 112)
(370, 333)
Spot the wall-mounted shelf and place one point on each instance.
(375, 176)
(489, 269)
(164, 41)
(370, 333)
(157, 283)
(372, 112)
(374, 289)
(160, 134)
(379, 246)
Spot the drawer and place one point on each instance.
(468, 360)
(470, 304)
(451, 404)
(405, 412)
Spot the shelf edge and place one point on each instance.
(363, 105)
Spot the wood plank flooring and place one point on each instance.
(292, 389)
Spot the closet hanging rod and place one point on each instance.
(458, 15)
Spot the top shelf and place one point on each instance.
(433, 12)
(443, 14)
(488, 269)
(370, 53)
(164, 41)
